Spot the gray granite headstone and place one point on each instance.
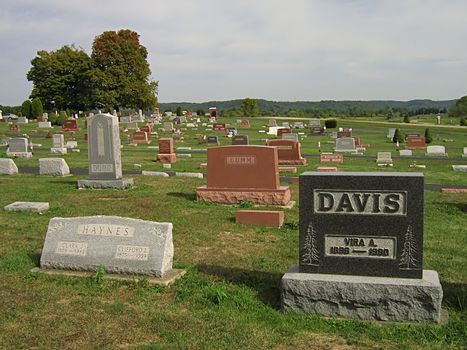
(23, 120)
(8, 167)
(212, 140)
(44, 125)
(345, 144)
(18, 147)
(384, 157)
(240, 140)
(361, 249)
(105, 164)
(368, 224)
(405, 152)
(464, 155)
(290, 136)
(434, 150)
(120, 245)
(168, 126)
(53, 167)
(314, 122)
(272, 122)
(58, 144)
(391, 133)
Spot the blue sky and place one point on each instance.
(202, 50)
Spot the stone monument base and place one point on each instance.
(119, 184)
(168, 278)
(301, 161)
(363, 297)
(280, 196)
(58, 150)
(19, 154)
(166, 158)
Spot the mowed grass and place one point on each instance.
(438, 171)
(229, 298)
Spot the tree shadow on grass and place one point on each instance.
(188, 196)
(455, 295)
(265, 283)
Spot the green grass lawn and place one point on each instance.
(229, 298)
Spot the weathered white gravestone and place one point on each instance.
(464, 155)
(314, 122)
(105, 164)
(345, 144)
(439, 151)
(121, 245)
(58, 144)
(53, 167)
(384, 158)
(44, 124)
(391, 133)
(18, 147)
(8, 166)
(405, 152)
(23, 120)
(290, 136)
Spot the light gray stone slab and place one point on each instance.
(53, 167)
(197, 175)
(345, 144)
(55, 150)
(8, 167)
(155, 173)
(363, 297)
(464, 155)
(405, 152)
(459, 167)
(383, 157)
(120, 245)
(118, 184)
(38, 207)
(44, 125)
(434, 150)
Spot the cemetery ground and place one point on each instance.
(229, 297)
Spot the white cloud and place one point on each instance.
(284, 50)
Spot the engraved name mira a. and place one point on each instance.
(360, 202)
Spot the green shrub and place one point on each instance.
(36, 107)
(62, 117)
(53, 118)
(398, 136)
(428, 137)
(26, 109)
(463, 121)
(406, 119)
(330, 123)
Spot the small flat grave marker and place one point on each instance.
(37, 207)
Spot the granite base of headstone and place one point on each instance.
(53, 167)
(8, 167)
(363, 297)
(361, 249)
(122, 246)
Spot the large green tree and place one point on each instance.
(121, 76)
(61, 78)
(459, 109)
(249, 107)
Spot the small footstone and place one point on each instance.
(38, 207)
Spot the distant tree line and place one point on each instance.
(115, 75)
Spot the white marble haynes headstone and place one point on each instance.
(53, 167)
(8, 167)
(105, 164)
(18, 147)
(436, 151)
(58, 144)
(120, 245)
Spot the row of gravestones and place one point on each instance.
(361, 235)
